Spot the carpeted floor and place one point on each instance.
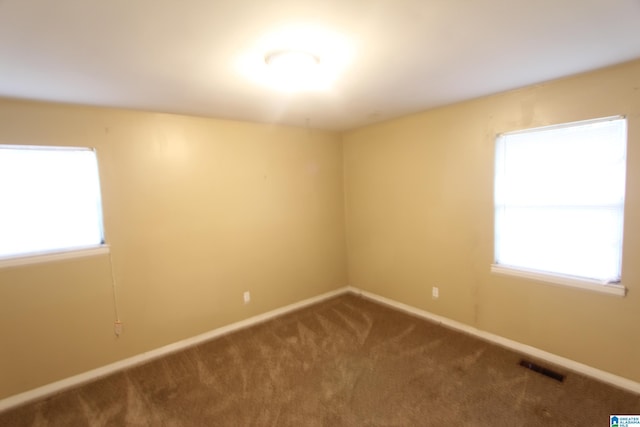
(343, 362)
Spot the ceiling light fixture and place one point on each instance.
(294, 60)
(293, 69)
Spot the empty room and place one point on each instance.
(310, 213)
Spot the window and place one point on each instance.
(559, 203)
(50, 200)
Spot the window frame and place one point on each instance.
(61, 253)
(53, 255)
(617, 288)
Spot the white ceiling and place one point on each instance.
(182, 56)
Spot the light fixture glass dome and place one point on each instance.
(296, 58)
(292, 60)
(293, 69)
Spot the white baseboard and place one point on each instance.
(569, 364)
(94, 374)
(76, 380)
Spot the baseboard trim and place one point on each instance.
(569, 364)
(94, 374)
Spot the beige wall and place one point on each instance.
(419, 210)
(196, 212)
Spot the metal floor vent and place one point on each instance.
(542, 370)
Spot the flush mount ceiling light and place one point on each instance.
(295, 60)
(293, 70)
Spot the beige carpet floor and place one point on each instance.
(344, 362)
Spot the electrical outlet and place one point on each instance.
(435, 292)
(247, 297)
(117, 328)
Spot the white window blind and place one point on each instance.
(49, 200)
(559, 199)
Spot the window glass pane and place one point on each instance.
(50, 199)
(559, 196)
(565, 240)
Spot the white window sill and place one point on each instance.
(40, 257)
(558, 279)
